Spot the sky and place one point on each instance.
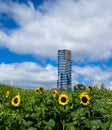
(32, 32)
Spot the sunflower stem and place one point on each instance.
(63, 127)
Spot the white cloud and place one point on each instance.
(83, 26)
(92, 75)
(31, 75)
(28, 74)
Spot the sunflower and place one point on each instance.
(83, 93)
(95, 87)
(54, 93)
(84, 99)
(76, 87)
(69, 86)
(81, 87)
(7, 94)
(63, 99)
(16, 100)
(37, 90)
(89, 88)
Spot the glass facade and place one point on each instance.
(64, 69)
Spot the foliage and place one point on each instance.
(39, 109)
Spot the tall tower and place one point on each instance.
(64, 68)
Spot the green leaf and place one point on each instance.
(27, 123)
(32, 128)
(50, 124)
(7, 128)
(71, 127)
(110, 127)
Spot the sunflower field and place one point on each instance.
(87, 108)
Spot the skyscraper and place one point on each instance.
(64, 69)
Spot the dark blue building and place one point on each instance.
(64, 69)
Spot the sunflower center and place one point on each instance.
(15, 100)
(84, 99)
(63, 99)
(53, 92)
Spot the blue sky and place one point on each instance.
(32, 32)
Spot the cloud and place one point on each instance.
(83, 26)
(28, 74)
(92, 75)
(31, 75)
